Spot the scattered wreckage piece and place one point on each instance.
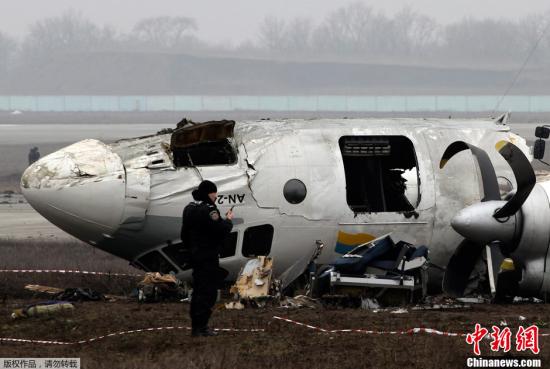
(234, 305)
(376, 267)
(299, 302)
(156, 287)
(78, 294)
(42, 308)
(255, 285)
(254, 281)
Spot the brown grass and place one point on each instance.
(281, 346)
(55, 255)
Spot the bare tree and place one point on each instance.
(7, 50)
(354, 30)
(413, 33)
(69, 32)
(165, 31)
(272, 34)
(485, 40)
(298, 35)
(530, 30)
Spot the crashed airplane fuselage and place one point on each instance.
(292, 182)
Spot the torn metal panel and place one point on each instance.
(193, 134)
(151, 152)
(255, 278)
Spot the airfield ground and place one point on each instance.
(281, 345)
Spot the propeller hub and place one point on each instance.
(476, 223)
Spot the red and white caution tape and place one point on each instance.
(68, 271)
(405, 332)
(411, 331)
(116, 334)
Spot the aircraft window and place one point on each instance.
(381, 173)
(155, 262)
(229, 246)
(257, 240)
(295, 191)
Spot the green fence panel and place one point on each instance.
(78, 103)
(5, 104)
(332, 103)
(23, 103)
(245, 102)
(274, 103)
(389, 103)
(160, 103)
(188, 103)
(104, 103)
(361, 103)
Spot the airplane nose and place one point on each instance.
(80, 189)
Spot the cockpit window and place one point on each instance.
(197, 144)
(381, 173)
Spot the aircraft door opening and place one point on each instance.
(381, 173)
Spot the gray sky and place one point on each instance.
(237, 20)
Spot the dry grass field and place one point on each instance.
(281, 345)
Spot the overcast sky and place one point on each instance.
(237, 20)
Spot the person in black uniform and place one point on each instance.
(203, 233)
(34, 155)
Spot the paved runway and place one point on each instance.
(20, 221)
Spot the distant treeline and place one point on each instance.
(70, 54)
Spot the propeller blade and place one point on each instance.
(488, 176)
(525, 177)
(461, 265)
(494, 259)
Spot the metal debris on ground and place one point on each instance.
(234, 305)
(473, 300)
(59, 293)
(518, 300)
(441, 307)
(299, 302)
(79, 294)
(369, 303)
(399, 311)
(42, 308)
(156, 287)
